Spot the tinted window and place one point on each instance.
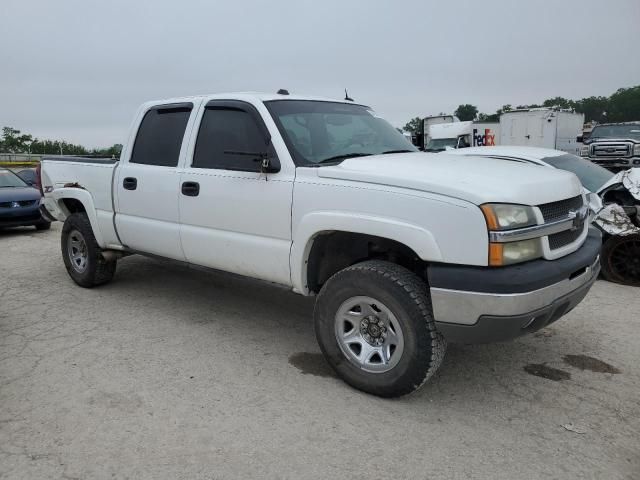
(616, 131)
(229, 139)
(160, 137)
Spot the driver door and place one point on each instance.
(233, 217)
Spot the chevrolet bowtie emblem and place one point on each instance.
(578, 217)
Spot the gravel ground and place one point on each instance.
(172, 372)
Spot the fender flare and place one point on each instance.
(420, 240)
(84, 197)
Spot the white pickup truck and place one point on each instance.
(405, 250)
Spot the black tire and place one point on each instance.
(620, 259)
(406, 296)
(43, 225)
(97, 270)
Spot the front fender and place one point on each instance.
(420, 240)
(84, 197)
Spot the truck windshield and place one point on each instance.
(9, 179)
(591, 176)
(330, 132)
(441, 144)
(616, 131)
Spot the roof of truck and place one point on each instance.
(261, 96)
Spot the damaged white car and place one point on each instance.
(614, 200)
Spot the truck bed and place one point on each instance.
(87, 179)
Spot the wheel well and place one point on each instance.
(73, 205)
(333, 251)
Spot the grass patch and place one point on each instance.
(19, 164)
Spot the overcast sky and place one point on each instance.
(78, 69)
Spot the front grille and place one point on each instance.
(19, 218)
(562, 239)
(611, 150)
(22, 203)
(560, 210)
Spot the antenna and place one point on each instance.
(347, 97)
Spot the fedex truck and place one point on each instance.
(462, 134)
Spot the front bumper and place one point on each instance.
(20, 217)
(491, 305)
(624, 162)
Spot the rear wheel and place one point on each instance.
(621, 259)
(82, 255)
(375, 327)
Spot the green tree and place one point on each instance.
(13, 141)
(624, 105)
(594, 108)
(559, 102)
(413, 125)
(112, 151)
(466, 112)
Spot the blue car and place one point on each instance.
(19, 203)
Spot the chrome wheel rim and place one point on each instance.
(369, 334)
(77, 251)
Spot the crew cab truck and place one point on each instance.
(615, 146)
(404, 250)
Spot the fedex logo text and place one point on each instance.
(488, 139)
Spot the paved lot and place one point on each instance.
(171, 372)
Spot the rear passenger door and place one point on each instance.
(148, 183)
(234, 217)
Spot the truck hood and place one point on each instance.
(610, 140)
(475, 179)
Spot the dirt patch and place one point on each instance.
(311, 364)
(550, 373)
(585, 362)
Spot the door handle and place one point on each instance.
(190, 189)
(130, 183)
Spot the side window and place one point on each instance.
(160, 136)
(229, 139)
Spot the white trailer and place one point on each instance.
(542, 127)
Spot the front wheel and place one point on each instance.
(82, 255)
(375, 326)
(620, 259)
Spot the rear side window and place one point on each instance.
(229, 139)
(160, 135)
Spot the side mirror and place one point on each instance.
(579, 139)
(270, 164)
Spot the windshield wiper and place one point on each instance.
(398, 151)
(337, 158)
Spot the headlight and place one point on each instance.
(636, 150)
(501, 254)
(502, 216)
(505, 216)
(584, 151)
